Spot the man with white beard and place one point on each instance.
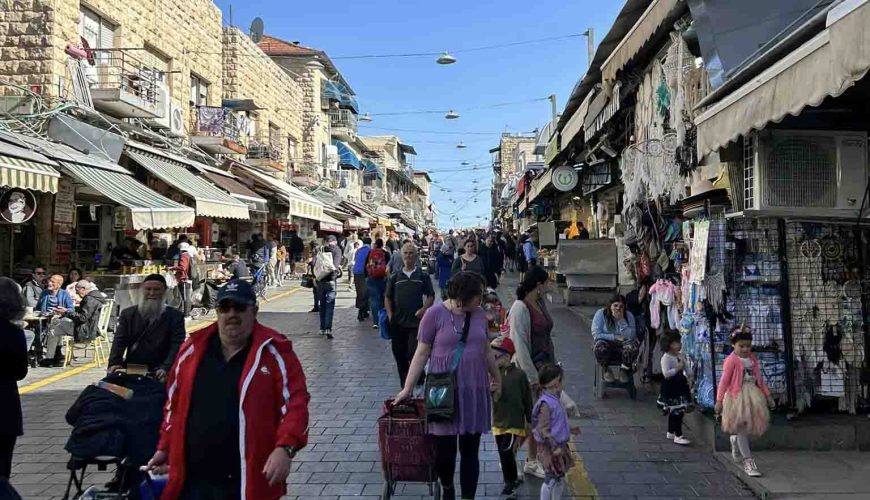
(149, 333)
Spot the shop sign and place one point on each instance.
(119, 219)
(17, 206)
(565, 178)
(698, 255)
(64, 202)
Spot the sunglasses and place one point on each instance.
(40, 272)
(225, 307)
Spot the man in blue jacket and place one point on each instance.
(359, 279)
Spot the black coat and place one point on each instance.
(13, 367)
(87, 315)
(155, 344)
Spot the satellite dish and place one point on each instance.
(257, 29)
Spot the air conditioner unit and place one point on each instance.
(804, 172)
(172, 123)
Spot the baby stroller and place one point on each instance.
(205, 299)
(116, 423)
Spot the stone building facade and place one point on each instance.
(513, 148)
(35, 33)
(248, 73)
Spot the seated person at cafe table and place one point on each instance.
(55, 301)
(149, 333)
(237, 268)
(32, 288)
(85, 318)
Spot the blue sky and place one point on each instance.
(478, 79)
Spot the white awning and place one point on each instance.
(826, 65)
(388, 210)
(330, 224)
(645, 27)
(574, 125)
(301, 204)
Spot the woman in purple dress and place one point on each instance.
(477, 376)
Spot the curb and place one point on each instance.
(753, 484)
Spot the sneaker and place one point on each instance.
(681, 441)
(375, 327)
(670, 436)
(510, 489)
(329, 334)
(750, 468)
(608, 376)
(534, 468)
(735, 450)
(623, 377)
(322, 333)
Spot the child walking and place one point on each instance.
(743, 399)
(511, 414)
(676, 398)
(552, 433)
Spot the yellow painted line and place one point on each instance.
(577, 478)
(81, 369)
(56, 378)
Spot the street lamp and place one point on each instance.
(590, 47)
(451, 115)
(445, 59)
(465, 164)
(461, 145)
(365, 118)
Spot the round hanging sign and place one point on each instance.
(565, 178)
(17, 206)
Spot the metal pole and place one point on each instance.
(553, 111)
(785, 315)
(590, 39)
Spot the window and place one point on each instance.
(98, 32)
(157, 63)
(291, 150)
(198, 91)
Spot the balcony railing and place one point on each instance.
(343, 121)
(122, 85)
(262, 148)
(214, 121)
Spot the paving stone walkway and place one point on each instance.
(622, 445)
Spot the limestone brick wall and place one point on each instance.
(248, 73)
(34, 33)
(315, 122)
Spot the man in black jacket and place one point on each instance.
(84, 322)
(150, 333)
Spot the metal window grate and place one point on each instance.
(749, 154)
(827, 290)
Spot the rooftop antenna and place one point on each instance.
(257, 30)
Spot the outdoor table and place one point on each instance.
(38, 321)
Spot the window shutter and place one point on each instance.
(107, 35)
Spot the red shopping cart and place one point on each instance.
(407, 450)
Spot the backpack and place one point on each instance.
(376, 264)
(323, 264)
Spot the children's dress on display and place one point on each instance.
(747, 412)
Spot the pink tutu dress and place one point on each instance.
(746, 412)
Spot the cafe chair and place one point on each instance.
(99, 345)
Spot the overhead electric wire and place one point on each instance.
(417, 131)
(464, 110)
(459, 51)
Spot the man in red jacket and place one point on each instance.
(237, 408)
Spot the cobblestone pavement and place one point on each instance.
(622, 444)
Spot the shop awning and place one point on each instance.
(346, 156)
(20, 170)
(655, 16)
(330, 224)
(407, 149)
(540, 184)
(301, 204)
(210, 201)
(353, 223)
(827, 65)
(403, 229)
(388, 210)
(238, 191)
(371, 167)
(149, 209)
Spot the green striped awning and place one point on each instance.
(210, 201)
(26, 174)
(149, 209)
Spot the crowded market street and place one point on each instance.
(622, 448)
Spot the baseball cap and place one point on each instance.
(238, 291)
(504, 344)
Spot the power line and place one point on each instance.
(431, 131)
(459, 51)
(464, 110)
